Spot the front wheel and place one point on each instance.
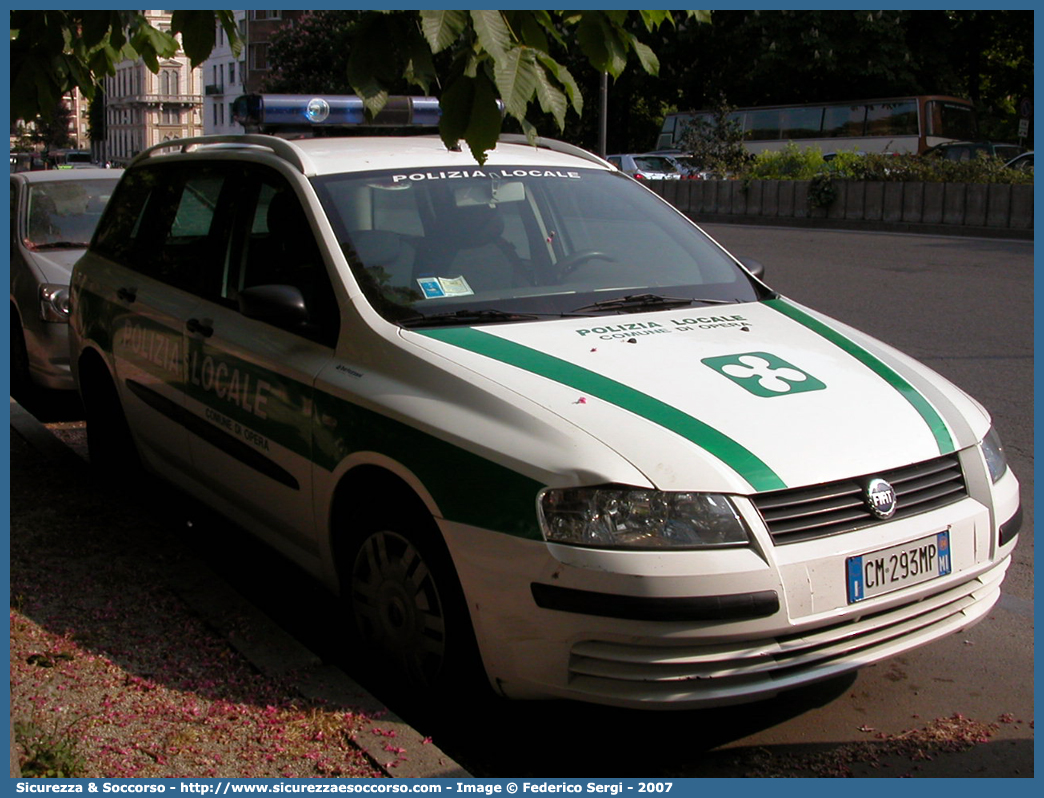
(408, 609)
(398, 607)
(21, 380)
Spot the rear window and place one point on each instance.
(161, 222)
(653, 163)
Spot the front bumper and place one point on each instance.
(700, 629)
(47, 345)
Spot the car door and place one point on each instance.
(250, 380)
(162, 246)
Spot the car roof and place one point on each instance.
(58, 175)
(328, 155)
(334, 155)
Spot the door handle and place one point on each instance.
(127, 294)
(196, 326)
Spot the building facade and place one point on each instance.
(223, 75)
(143, 108)
(227, 76)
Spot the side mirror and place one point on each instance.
(753, 266)
(279, 305)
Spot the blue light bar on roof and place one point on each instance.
(267, 112)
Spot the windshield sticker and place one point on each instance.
(763, 374)
(463, 174)
(436, 287)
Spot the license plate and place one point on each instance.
(899, 566)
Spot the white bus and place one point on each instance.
(898, 124)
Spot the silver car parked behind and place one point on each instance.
(645, 167)
(53, 216)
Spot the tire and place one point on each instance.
(21, 379)
(407, 608)
(110, 444)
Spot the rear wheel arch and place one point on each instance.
(91, 367)
(110, 444)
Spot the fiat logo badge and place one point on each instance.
(880, 498)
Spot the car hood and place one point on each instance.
(746, 397)
(55, 265)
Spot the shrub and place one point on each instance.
(790, 163)
(795, 163)
(821, 191)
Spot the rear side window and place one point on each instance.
(165, 222)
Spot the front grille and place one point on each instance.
(836, 507)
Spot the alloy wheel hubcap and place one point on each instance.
(397, 606)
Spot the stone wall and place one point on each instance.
(961, 207)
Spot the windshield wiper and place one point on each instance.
(638, 301)
(466, 317)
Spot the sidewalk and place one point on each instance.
(128, 646)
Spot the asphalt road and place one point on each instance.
(964, 307)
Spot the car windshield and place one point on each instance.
(509, 244)
(64, 213)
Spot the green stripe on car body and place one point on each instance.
(738, 458)
(912, 395)
(320, 427)
(468, 488)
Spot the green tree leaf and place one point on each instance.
(532, 28)
(198, 33)
(568, 82)
(552, 100)
(470, 113)
(492, 32)
(442, 28)
(601, 43)
(650, 63)
(515, 73)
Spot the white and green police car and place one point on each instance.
(527, 415)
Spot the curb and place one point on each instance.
(269, 648)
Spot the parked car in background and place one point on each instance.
(27, 162)
(685, 163)
(646, 166)
(1022, 162)
(53, 216)
(970, 150)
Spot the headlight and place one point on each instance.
(993, 451)
(632, 518)
(54, 302)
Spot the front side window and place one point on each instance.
(274, 245)
(518, 241)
